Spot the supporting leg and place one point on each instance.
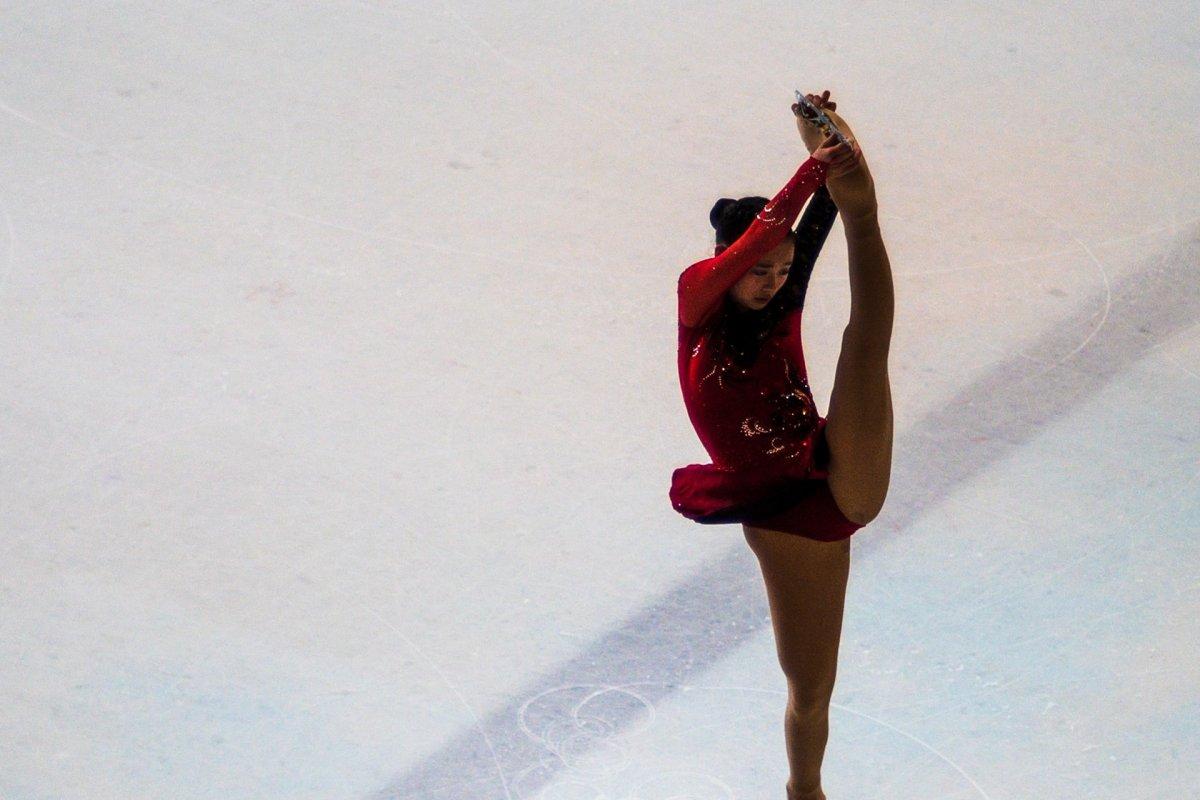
(806, 589)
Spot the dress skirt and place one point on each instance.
(788, 500)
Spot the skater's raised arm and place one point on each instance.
(811, 233)
(703, 284)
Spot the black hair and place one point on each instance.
(741, 330)
(730, 218)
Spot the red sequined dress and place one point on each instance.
(753, 411)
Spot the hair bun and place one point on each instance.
(718, 209)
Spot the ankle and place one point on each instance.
(812, 794)
(854, 194)
(862, 223)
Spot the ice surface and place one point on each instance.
(340, 406)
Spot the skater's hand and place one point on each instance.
(819, 100)
(841, 158)
(809, 132)
(849, 180)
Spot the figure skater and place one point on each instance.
(799, 483)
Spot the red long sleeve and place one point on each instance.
(703, 284)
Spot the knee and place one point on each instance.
(862, 516)
(808, 701)
(804, 708)
(866, 509)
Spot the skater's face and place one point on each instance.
(756, 288)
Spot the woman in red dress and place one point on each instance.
(799, 483)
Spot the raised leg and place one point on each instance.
(806, 589)
(859, 426)
(859, 422)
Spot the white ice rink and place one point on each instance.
(339, 400)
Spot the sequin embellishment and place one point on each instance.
(792, 415)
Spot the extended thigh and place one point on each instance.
(859, 431)
(806, 589)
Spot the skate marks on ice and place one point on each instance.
(690, 628)
(589, 741)
(685, 630)
(1009, 404)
